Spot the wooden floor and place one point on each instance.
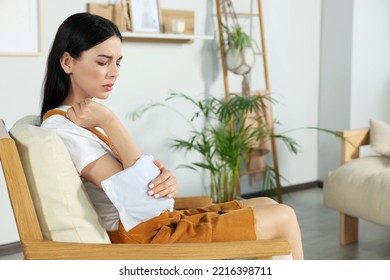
(319, 227)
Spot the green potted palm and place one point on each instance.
(226, 139)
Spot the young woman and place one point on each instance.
(82, 66)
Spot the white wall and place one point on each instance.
(355, 70)
(370, 75)
(335, 85)
(149, 70)
(293, 45)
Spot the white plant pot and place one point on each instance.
(240, 62)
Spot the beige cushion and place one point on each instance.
(380, 137)
(361, 188)
(64, 210)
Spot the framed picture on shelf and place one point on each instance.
(145, 16)
(20, 28)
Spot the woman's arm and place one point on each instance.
(101, 169)
(91, 114)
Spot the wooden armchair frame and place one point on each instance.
(353, 141)
(35, 247)
(350, 149)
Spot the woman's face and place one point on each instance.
(94, 73)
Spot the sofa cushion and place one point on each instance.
(380, 137)
(361, 188)
(64, 210)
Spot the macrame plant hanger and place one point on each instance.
(230, 19)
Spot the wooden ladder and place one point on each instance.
(267, 90)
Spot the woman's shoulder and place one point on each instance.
(58, 120)
(59, 123)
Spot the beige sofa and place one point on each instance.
(360, 187)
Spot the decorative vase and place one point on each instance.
(223, 184)
(240, 62)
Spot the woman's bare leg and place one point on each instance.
(258, 201)
(274, 220)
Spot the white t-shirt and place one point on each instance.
(85, 147)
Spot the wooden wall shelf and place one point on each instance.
(163, 37)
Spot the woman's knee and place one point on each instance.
(275, 221)
(257, 201)
(287, 212)
(289, 218)
(267, 200)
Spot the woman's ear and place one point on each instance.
(66, 62)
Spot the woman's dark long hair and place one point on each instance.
(76, 34)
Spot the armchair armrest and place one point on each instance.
(353, 140)
(192, 202)
(49, 250)
(3, 130)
